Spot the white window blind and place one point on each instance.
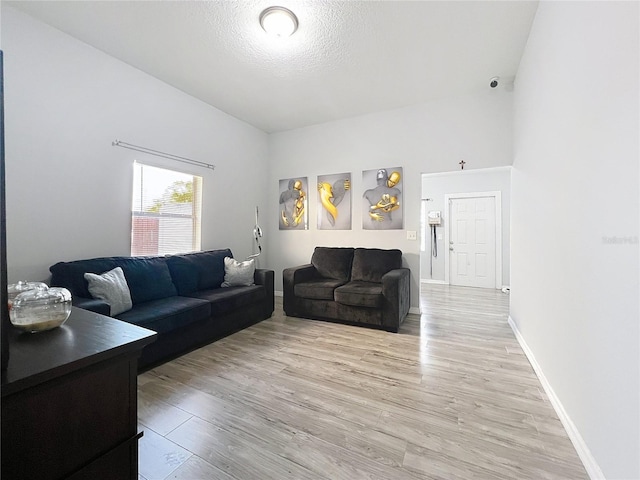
(165, 213)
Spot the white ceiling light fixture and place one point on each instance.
(279, 21)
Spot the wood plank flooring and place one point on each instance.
(451, 396)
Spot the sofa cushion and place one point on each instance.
(70, 275)
(238, 274)
(112, 288)
(225, 300)
(370, 264)
(317, 289)
(184, 273)
(333, 262)
(360, 294)
(148, 278)
(192, 272)
(167, 314)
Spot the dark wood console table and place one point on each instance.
(69, 400)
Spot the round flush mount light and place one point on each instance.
(279, 21)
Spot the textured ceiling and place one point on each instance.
(347, 58)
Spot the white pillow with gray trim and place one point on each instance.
(238, 274)
(111, 287)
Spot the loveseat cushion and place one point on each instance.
(317, 289)
(225, 300)
(167, 314)
(333, 262)
(192, 272)
(360, 294)
(370, 264)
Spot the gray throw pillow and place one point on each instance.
(111, 287)
(238, 273)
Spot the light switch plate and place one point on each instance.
(412, 235)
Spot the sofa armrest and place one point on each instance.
(301, 273)
(91, 304)
(290, 277)
(396, 290)
(266, 278)
(262, 276)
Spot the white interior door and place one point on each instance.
(472, 242)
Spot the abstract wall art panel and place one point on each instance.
(334, 202)
(293, 208)
(382, 199)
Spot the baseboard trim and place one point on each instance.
(589, 462)
(436, 282)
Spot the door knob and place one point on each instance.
(451, 248)
(450, 242)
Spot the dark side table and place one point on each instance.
(69, 400)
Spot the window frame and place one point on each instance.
(139, 210)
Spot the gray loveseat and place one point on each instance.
(357, 286)
(178, 296)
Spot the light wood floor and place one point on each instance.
(452, 396)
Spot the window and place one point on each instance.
(165, 214)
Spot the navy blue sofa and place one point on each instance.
(178, 296)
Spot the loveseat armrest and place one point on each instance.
(266, 278)
(396, 292)
(290, 277)
(91, 304)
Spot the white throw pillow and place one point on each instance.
(238, 273)
(111, 287)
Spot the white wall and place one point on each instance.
(575, 213)
(69, 191)
(436, 186)
(431, 137)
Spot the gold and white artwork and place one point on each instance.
(334, 202)
(293, 208)
(382, 199)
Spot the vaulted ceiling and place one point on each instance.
(347, 58)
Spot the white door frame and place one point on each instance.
(447, 216)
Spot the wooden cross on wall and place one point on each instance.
(461, 163)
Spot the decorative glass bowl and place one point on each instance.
(40, 309)
(16, 289)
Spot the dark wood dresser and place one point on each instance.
(69, 401)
